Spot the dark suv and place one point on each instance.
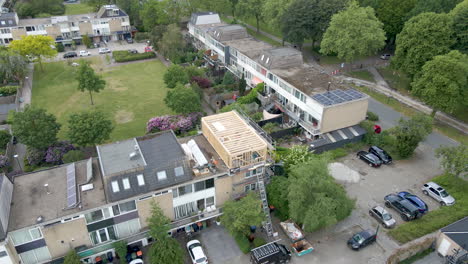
(70, 54)
(404, 207)
(369, 158)
(381, 154)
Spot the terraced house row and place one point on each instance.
(88, 205)
(328, 111)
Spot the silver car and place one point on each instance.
(384, 217)
(433, 190)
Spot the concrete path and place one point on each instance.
(26, 89)
(432, 258)
(377, 77)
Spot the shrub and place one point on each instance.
(121, 250)
(252, 95)
(243, 242)
(124, 56)
(201, 82)
(372, 116)
(139, 36)
(72, 156)
(60, 47)
(178, 123)
(8, 90)
(4, 161)
(4, 138)
(229, 78)
(54, 153)
(258, 242)
(257, 116)
(34, 156)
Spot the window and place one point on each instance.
(3, 254)
(10, 22)
(127, 228)
(106, 212)
(3, 22)
(185, 210)
(103, 235)
(115, 186)
(5, 31)
(179, 171)
(199, 186)
(126, 183)
(185, 189)
(161, 175)
(127, 207)
(209, 201)
(94, 216)
(250, 187)
(141, 180)
(35, 256)
(25, 236)
(209, 183)
(254, 172)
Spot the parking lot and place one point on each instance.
(113, 45)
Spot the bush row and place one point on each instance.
(8, 90)
(124, 56)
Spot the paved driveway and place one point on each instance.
(221, 247)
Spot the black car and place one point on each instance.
(362, 239)
(70, 54)
(381, 154)
(134, 51)
(129, 40)
(404, 207)
(369, 158)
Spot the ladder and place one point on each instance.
(261, 187)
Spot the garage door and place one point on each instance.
(444, 247)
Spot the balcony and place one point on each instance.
(196, 218)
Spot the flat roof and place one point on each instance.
(250, 47)
(30, 198)
(120, 156)
(233, 133)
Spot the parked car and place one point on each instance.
(438, 193)
(129, 40)
(405, 208)
(369, 158)
(196, 252)
(96, 45)
(381, 154)
(384, 217)
(104, 50)
(385, 56)
(70, 54)
(416, 201)
(362, 239)
(84, 53)
(275, 253)
(136, 261)
(134, 51)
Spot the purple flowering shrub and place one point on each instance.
(4, 161)
(178, 123)
(55, 152)
(34, 156)
(202, 82)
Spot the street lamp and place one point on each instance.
(17, 160)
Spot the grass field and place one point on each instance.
(76, 9)
(434, 220)
(363, 75)
(397, 80)
(133, 94)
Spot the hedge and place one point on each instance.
(124, 56)
(8, 90)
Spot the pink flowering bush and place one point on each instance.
(202, 82)
(177, 123)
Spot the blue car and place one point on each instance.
(416, 201)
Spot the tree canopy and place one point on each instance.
(409, 132)
(315, 199)
(183, 100)
(72, 258)
(436, 6)
(89, 128)
(13, 67)
(454, 159)
(26, 8)
(443, 82)
(277, 191)
(174, 75)
(297, 154)
(152, 13)
(88, 80)
(35, 46)
(353, 32)
(251, 8)
(35, 128)
(238, 216)
(393, 14)
(460, 26)
(423, 37)
(273, 11)
(172, 43)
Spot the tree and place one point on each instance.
(423, 37)
(89, 128)
(238, 216)
(12, 66)
(410, 132)
(166, 249)
(5, 137)
(315, 199)
(454, 160)
(88, 80)
(393, 14)
(229, 78)
(37, 46)
(273, 11)
(194, 71)
(121, 250)
(172, 43)
(297, 21)
(156, 34)
(297, 154)
(132, 8)
(174, 75)
(436, 6)
(72, 156)
(460, 26)
(35, 128)
(183, 100)
(443, 82)
(152, 13)
(353, 32)
(37, 7)
(242, 85)
(87, 41)
(251, 8)
(96, 4)
(277, 192)
(72, 258)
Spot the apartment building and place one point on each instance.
(324, 108)
(109, 23)
(90, 204)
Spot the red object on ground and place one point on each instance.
(377, 129)
(139, 253)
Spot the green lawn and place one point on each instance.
(363, 75)
(434, 220)
(396, 79)
(134, 93)
(76, 9)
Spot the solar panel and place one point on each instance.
(337, 96)
(71, 185)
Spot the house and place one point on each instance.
(452, 242)
(88, 205)
(109, 23)
(308, 97)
